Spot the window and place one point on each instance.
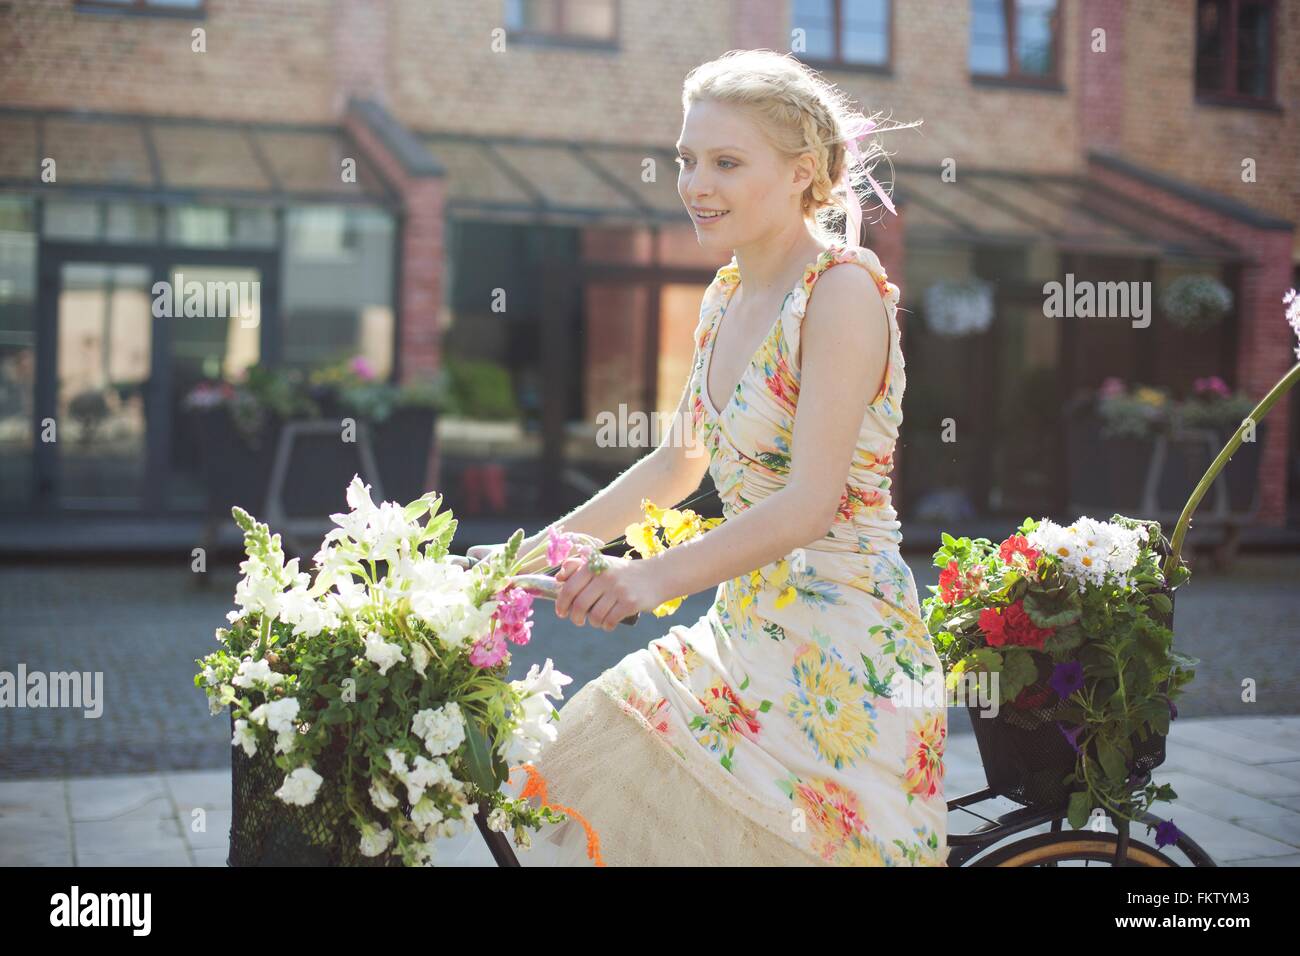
(564, 21)
(853, 33)
(172, 8)
(1234, 50)
(1015, 41)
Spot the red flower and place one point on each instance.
(954, 586)
(1018, 544)
(1027, 700)
(1012, 627)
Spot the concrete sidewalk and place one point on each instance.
(1237, 779)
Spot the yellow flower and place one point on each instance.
(678, 525)
(1150, 395)
(642, 539)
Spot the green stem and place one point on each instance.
(1283, 386)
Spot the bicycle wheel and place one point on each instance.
(1073, 848)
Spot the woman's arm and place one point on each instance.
(666, 476)
(845, 350)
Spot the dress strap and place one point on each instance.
(792, 318)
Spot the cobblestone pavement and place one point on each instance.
(1237, 779)
(143, 625)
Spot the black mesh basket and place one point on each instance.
(266, 831)
(1026, 756)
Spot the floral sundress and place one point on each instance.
(783, 701)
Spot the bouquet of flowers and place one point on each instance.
(662, 529)
(385, 668)
(1075, 624)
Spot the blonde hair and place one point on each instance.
(798, 112)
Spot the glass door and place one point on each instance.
(103, 376)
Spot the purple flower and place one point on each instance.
(1067, 677)
(1167, 834)
(1070, 735)
(1173, 711)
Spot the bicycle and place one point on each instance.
(1054, 848)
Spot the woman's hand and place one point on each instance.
(625, 587)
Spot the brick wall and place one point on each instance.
(264, 61)
(1164, 128)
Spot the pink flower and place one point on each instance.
(362, 369)
(557, 547)
(513, 615)
(1111, 388)
(1212, 385)
(488, 651)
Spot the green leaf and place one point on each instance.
(1046, 612)
(1112, 760)
(1018, 672)
(1080, 806)
(478, 758)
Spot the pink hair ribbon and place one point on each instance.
(855, 129)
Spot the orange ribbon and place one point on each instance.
(536, 786)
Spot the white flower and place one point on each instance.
(256, 674)
(244, 737)
(498, 820)
(382, 653)
(285, 740)
(535, 728)
(425, 813)
(299, 788)
(304, 613)
(426, 773)
(382, 533)
(1090, 551)
(381, 797)
(373, 840)
(442, 729)
(419, 657)
(396, 760)
(277, 715)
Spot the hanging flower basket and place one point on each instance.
(956, 307)
(1196, 302)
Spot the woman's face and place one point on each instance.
(734, 184)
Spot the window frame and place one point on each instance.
(571, 40)
(1229, 95)
(836, 60)
(1014, 76)
(143, 8)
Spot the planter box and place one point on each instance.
(321, 465)
(236, 471)
(1106, 475)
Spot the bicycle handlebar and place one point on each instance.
(541, 585)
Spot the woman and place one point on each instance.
(788, 725)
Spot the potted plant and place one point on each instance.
(368, 699)
(1074, 626)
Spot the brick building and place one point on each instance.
(512, 215)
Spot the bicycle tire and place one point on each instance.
(1051, 848)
